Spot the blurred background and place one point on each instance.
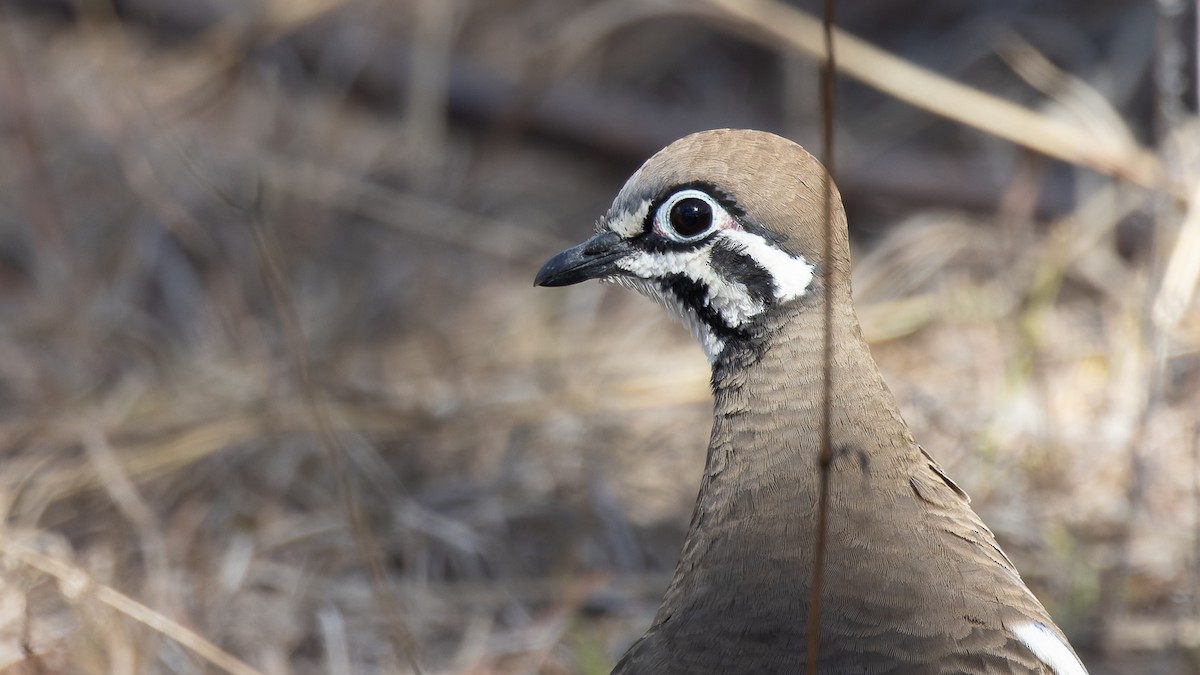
(277, 394)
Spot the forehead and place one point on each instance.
(658, 176)
(634, 204)
(715, 162)
(627, 215)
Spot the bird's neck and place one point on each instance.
(757, 506)
(769, 409)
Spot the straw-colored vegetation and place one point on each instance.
(276, 394)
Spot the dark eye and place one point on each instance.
(691, 216)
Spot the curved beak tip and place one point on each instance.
(545, 275)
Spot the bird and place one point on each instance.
(726, 228)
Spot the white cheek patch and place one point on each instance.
(792, 275)
(1050, 649)
(630, 224)
(729, 298)
(652, 265)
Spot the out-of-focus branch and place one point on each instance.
(777, 23)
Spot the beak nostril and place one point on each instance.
(599, 245)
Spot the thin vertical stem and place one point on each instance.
(828, 70)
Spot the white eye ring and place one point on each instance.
(692, 221)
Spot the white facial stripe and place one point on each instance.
(1050, 649)
(729, 298)
(792, 275)
(649, 265)
(629, 224)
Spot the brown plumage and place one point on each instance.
(915, 582)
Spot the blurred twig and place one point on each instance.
(415, 214)
(428, 86)
(1077, 98)
(344, 48)
(76, 584)
(778, 23)
(41, 203)
(129, 500)
(368, 546)
(1183, 270)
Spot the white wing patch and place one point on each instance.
(1050, 649)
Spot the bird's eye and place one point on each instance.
(691, 216)
(687, 215)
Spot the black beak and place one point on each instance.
(595, 258)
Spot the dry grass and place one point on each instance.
(276, 394)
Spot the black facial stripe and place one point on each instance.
(741, 267)
(692, 295)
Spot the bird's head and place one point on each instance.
(724, 227)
